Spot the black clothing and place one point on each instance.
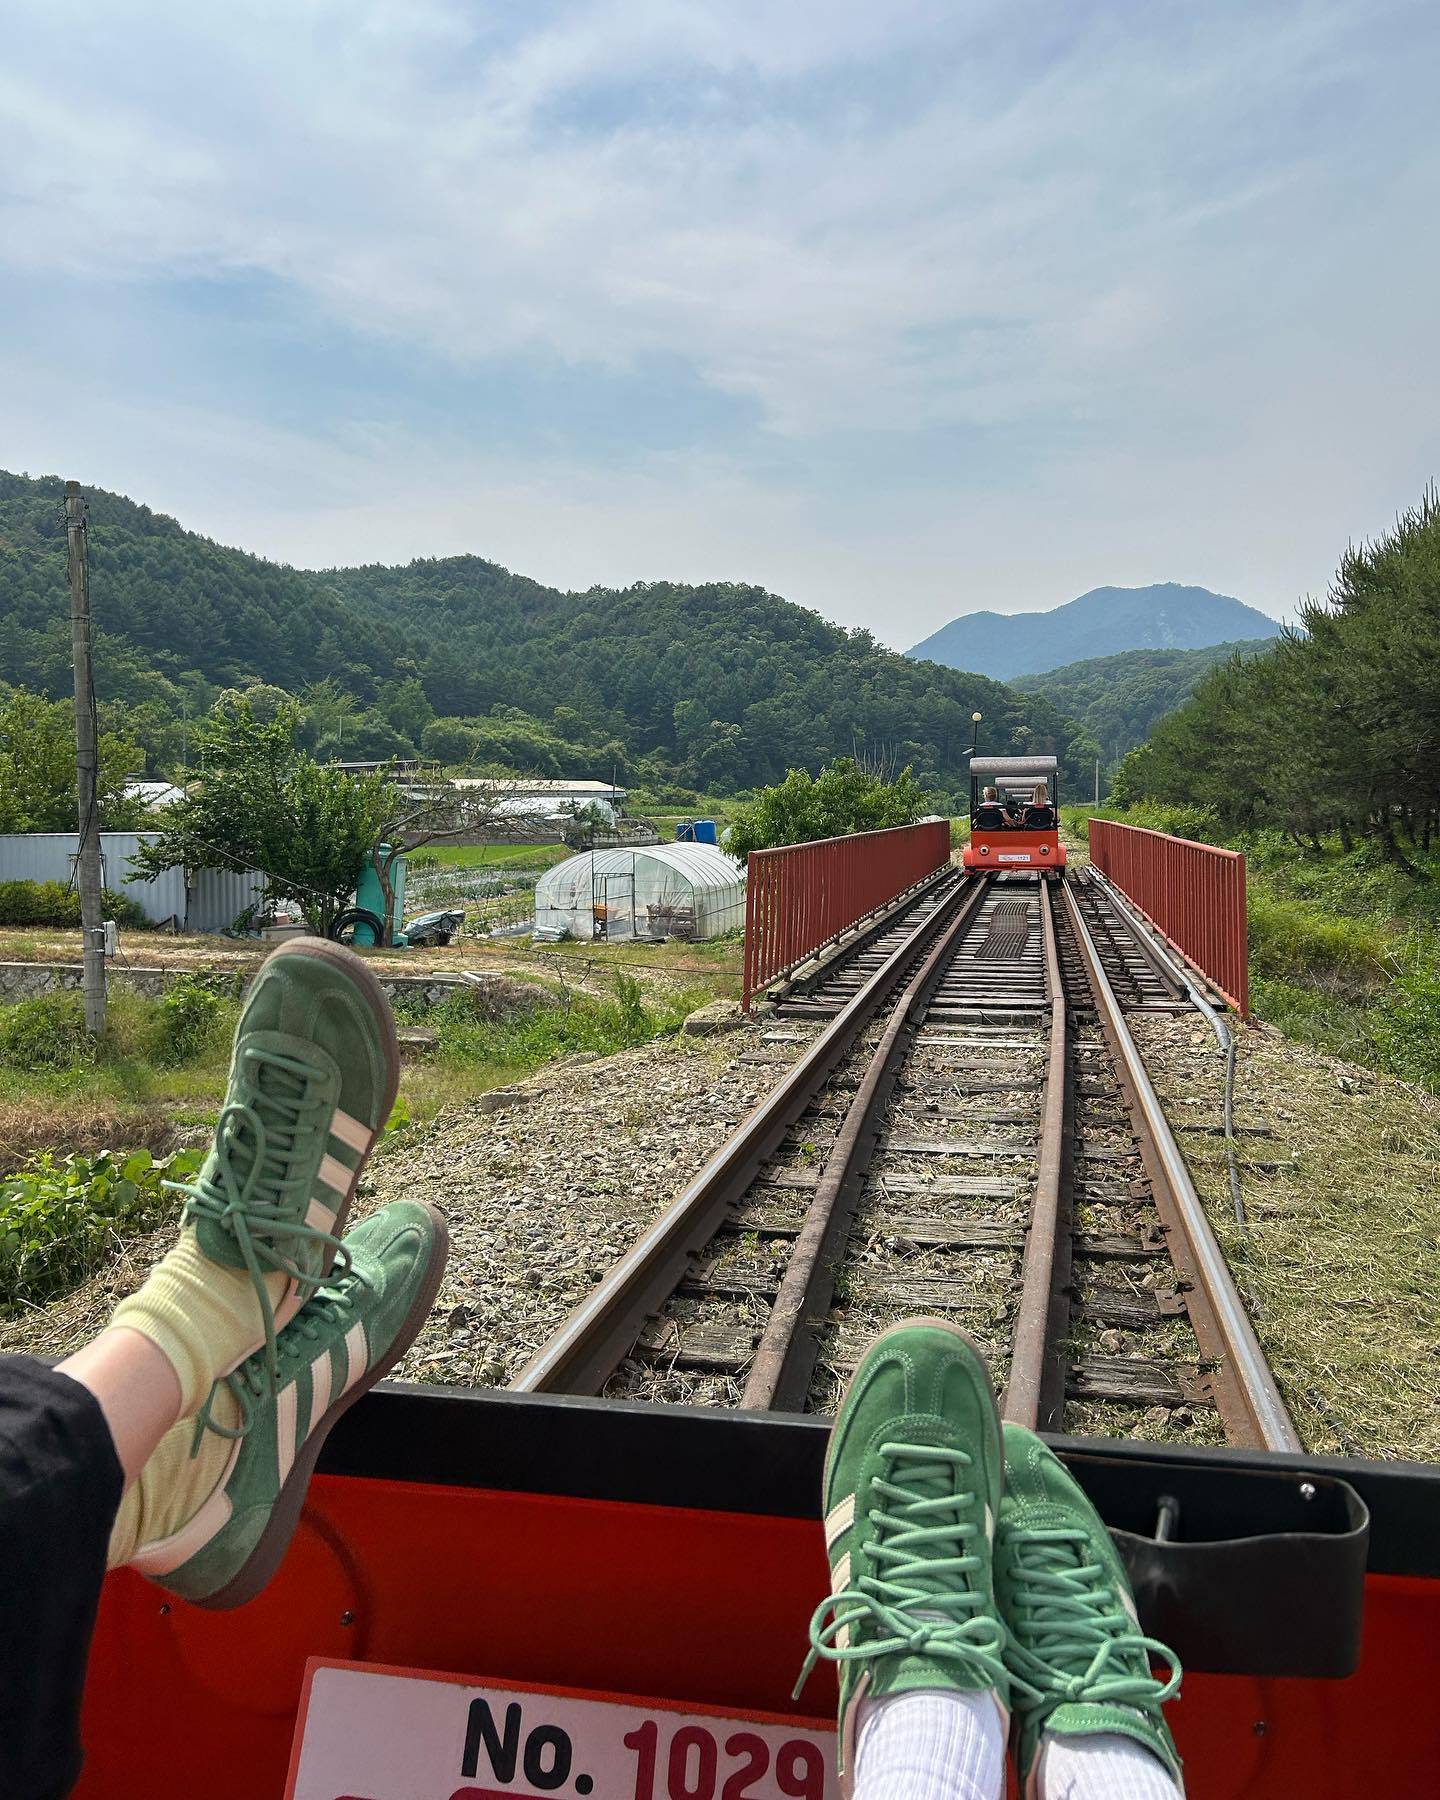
(989, 816)
(60, 1484)
(1039, 818)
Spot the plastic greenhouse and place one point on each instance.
(663, 890)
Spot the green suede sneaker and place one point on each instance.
(912, 1487)
(312, 1081)
(342, 1341)
(1079, 1659)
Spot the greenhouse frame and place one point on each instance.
(691, 891)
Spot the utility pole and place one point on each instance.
(1097, 780)
(87, 866)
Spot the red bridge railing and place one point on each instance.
(1195, 893)
(799, 897)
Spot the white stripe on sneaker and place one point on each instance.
(358, 1354)
(838, 1586)
(351, 1132)
(839, 1519)
(319, 1216)
(335, 1175)
(319, 1388)
(286, 1403)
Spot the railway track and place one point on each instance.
(971, 1133)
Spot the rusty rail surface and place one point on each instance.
(1193, 893)
(583, 1353)
(1246, 1393)
(785, 1356)
(908, 991)
(1035, 1393)
(800, 897)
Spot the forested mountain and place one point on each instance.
(1335, 729)
(719, 686)
(1101, 623)
(1119, 699)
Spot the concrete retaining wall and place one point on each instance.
(23, 981)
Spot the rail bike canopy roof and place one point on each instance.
(1013, 768)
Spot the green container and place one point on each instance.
(370, 895)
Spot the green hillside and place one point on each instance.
(1119, 699)
(719, 686)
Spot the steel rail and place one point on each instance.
(1159, 965)
(784, 1358)
(1035, 1393)
(1246, 1392)
(585, 1350)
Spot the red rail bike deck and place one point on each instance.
(675, 1553)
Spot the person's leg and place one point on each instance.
(214, 1510)
(932, 1744)
(912, 1487)
(1107, 1766)
(1087, 1706)
(136, 1388)
(311, 1084)
(60, 1482)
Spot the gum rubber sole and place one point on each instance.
(258, 1568)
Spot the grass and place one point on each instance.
(1340, 1265)
(163, 1065)
(1344, 946)
(134, 1094)
(496, 856)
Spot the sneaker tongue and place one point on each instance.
(276, 1093)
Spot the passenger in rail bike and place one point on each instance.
(990, 815)
(972, 1580)
(1039, 815)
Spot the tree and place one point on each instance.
(263, 804)
(448, 741)
(37, 768)
(843, 798)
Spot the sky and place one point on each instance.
(901, 310)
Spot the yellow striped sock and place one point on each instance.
(203, 1318)
(173, 1485)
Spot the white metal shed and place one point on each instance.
(653, 891)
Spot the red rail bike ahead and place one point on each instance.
(999, 838)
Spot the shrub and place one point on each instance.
(60, 1220)
(1292, 941)
(52, 903)
(47, 1032)
(182, 1023)
(1408, 1025)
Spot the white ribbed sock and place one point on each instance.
(1107, 1766)
(930, 1744)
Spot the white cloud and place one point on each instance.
(1129, 252)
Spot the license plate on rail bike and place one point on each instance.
(371, 1733)
(1014, 856)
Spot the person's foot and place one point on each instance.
(912, 1488)
(312, 1081)
(1075, 1644)
(343, 1340)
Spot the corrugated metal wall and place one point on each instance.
(214, 901)
(219, 896)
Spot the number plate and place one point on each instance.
(1014, 856)
(366, 1733)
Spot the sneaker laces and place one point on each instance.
(1070, 1633)
(256, 1379)
(248, 1185)
(922, 1598)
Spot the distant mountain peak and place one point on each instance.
(1168, 615)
